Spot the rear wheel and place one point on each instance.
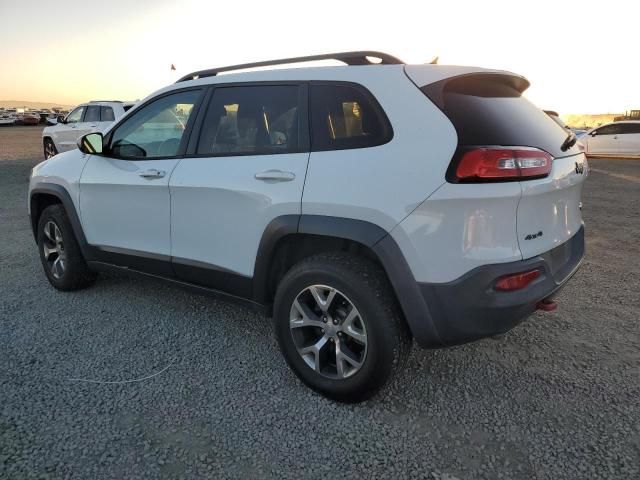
(339, 327)
(60, 253)
(49, 148)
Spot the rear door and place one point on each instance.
(629, 139)
(247, 169)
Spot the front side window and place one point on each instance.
(612, 129)
(75, 116)
(106, 114)
(345, 116)
(93, 114)
(155, 130)
(251, 120)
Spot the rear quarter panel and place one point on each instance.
(460, 227)
(384, 184)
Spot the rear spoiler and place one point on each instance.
(433, 80)
(479, 83)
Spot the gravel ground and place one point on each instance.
(557, 398)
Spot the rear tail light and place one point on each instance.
(516, 281)
(486, 164)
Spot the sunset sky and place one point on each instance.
(580, 56)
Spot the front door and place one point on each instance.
(124, 193)
(66, 134)
(248, 169)
(605, 140)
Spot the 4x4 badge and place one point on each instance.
(531, 236)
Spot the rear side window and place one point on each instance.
(106, 114)
(489, 110)
(630, 128)
(92, 114)
(346, 116)
(251, 120)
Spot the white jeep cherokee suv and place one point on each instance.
(89, 117)
(360, 206)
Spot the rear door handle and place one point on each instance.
(275, 176)
(152, 173)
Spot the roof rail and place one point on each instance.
(99, 101)
(350, 58)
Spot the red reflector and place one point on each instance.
(516, 281)
(497, 163)
(547, 305)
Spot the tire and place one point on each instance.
(60, 254)
(49, 148)
(374, 335)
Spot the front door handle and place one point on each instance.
(275, 176)
(152, 173)
(615, 137)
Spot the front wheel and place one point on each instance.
(60, 253)
(339, 326)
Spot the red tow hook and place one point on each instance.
(546, 305)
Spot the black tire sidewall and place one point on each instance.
(381, 337)
(48, 141)
(56, 214)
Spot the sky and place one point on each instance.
(580, 56)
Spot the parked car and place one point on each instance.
(28, 118)
(7, 119)
(94, 116)
(613, 139)
(360, 206)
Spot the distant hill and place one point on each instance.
(588, 120)
(36, 105)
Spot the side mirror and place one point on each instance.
(61, 119)
(91, 143)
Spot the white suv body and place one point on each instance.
(95, 116)
(397, 186)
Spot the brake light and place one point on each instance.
(516, 281)
(485, 164)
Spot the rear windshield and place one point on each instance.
(486, 111)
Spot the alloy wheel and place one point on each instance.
(53, 249)
(328, 331)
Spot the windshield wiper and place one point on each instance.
(569, 142)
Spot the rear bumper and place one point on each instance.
(469, 308)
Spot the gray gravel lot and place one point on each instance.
(558, 397)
